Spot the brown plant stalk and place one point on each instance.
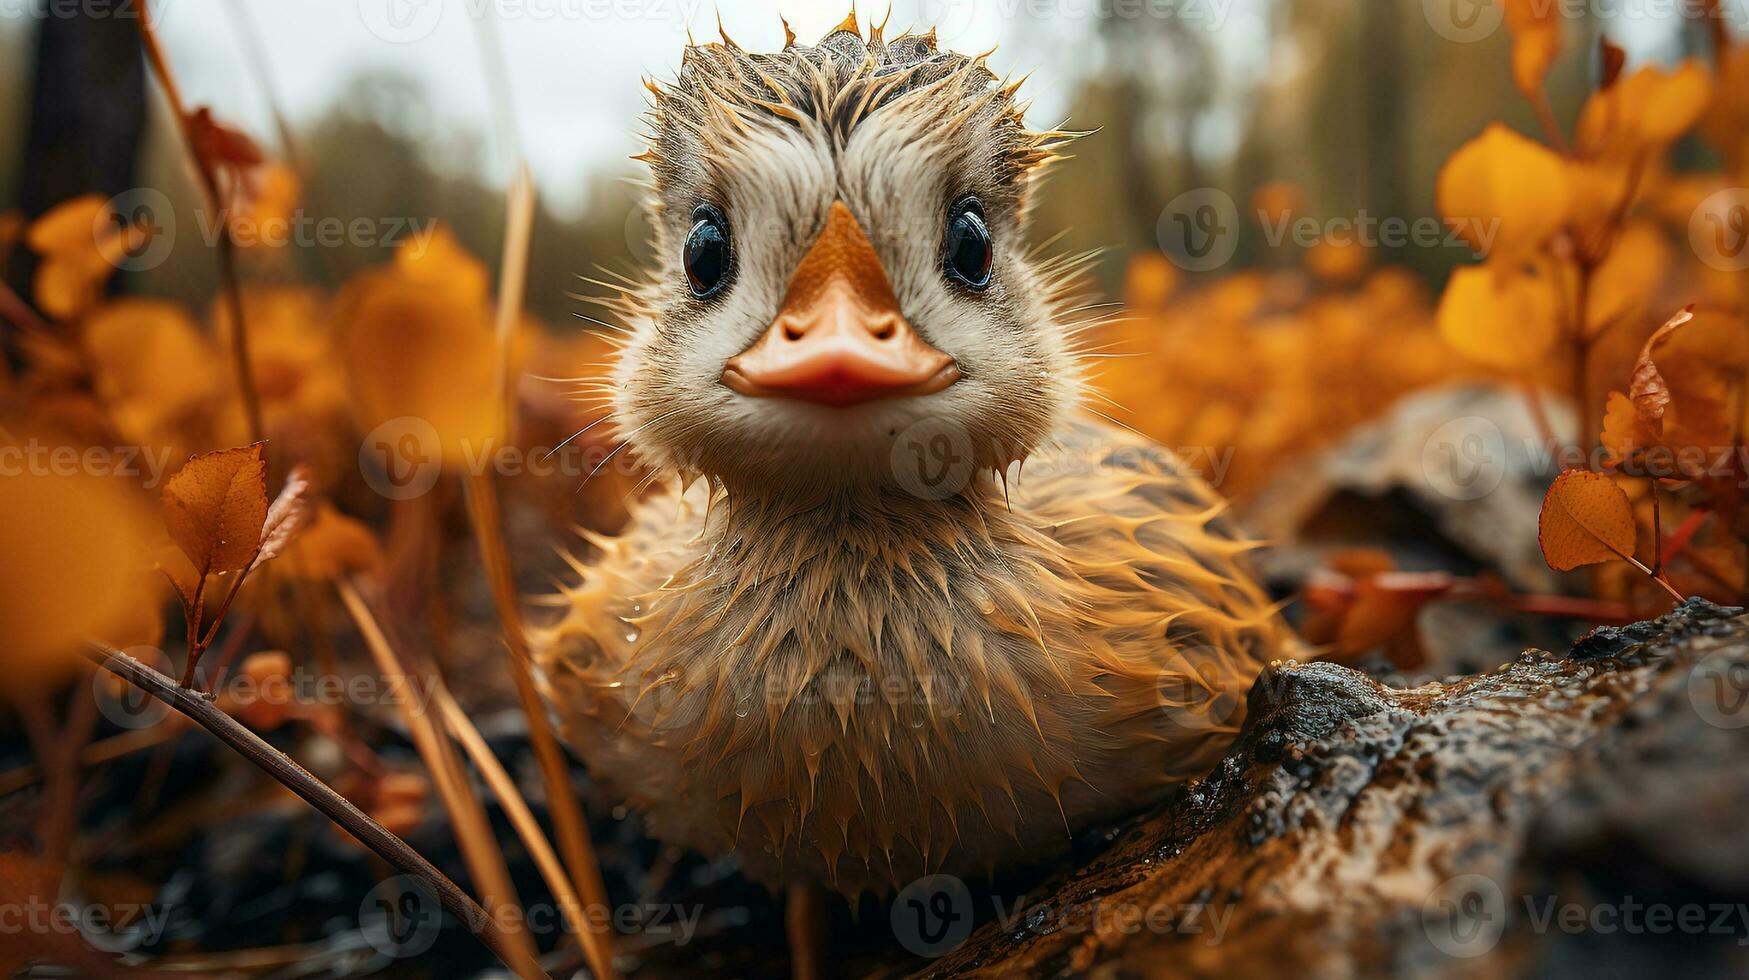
(209, 182)
(484, 515)
(473, 830)
(312, 790)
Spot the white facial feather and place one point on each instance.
(899, 132)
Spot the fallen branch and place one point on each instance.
(312, 790)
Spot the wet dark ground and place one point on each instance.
(1565, 816)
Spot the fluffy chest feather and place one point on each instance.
(865, 691)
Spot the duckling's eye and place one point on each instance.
(968, 252)
(706, 256)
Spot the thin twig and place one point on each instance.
(567, 811)
(16, 311)
(312, 790)
(209, 182)
(483, 513)
(523, 818)
(1657, 532)
(1545, 117)
(473, 830)
(512, 278)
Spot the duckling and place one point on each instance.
(906, 609)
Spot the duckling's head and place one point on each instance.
(840, 230)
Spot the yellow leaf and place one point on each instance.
(264, 211)
(77, 246)
(1627, 279)
(439, 261)
(1585, 519)
(215, 506)
(1503, 192)
(141, 625)
(424, 354)
(1536, 41)
(1623, 429)
(1277, 200)
(73, 544)
(332, 545)
(66, 228)
(1503, 318)
(1646, 110)
(149, 350)
(1149, 280)
(1338, 261)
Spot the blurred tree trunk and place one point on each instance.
(87, 109)
(1384, 81)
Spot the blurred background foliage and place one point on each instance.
(1356, 103)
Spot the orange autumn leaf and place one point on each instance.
(1585, 519)
(1628, 278)
(1148, 280)
(1275, 201)
(266, 204)
(152, 367)
(261, 697)
(1612, 58)
(220, 145)
(1376, 616)
(73, 567)
(332, 545)
(1504, 318)
(1339, 261)
(215, 507)
(1361, 563)
(419, 350)
(1624, 430)
(438, 260)
(1504, 192)
(1645, 111)
(80, 246)
(1647, 389)
(1536, 42)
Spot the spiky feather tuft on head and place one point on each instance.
(837, 84)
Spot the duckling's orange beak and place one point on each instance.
(839, 338)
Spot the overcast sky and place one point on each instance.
(575, 66)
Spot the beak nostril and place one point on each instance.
(884, 330)
(792, 332)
